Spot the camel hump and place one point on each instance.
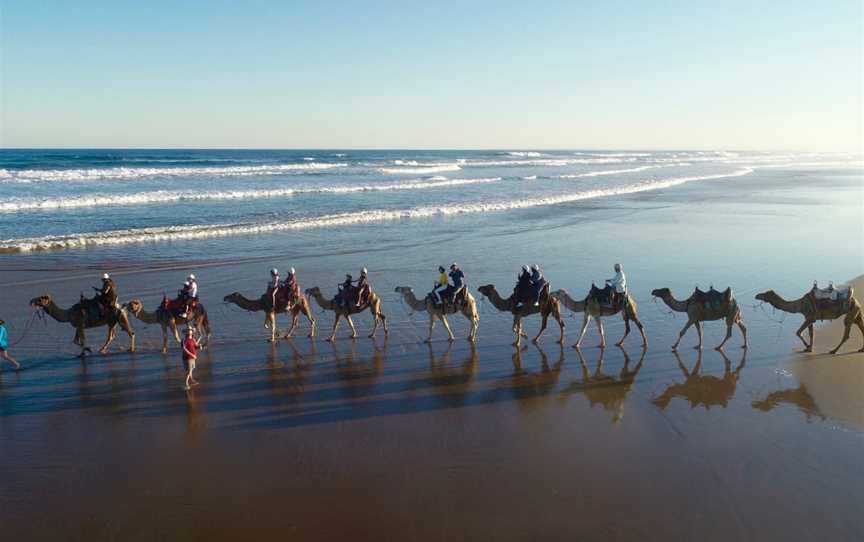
(712, 298)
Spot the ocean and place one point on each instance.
(177, 203)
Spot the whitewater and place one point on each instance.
(175, 200)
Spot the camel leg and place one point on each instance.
(517, 330)
(585, 321)
(698, 332)
(294, 319)
(384, 323)
(626, 330)
(860, 323)
(543, 323)
(848, 321)
(728, 336)
(599, 322)
(332, 336)
(561, 326)
(444, 321)
(312, 323)
(808, 324)
(743, 329)
(81, 340)
(112, 330)
(431, 326)
(164, 338)
(354, 329)
(128, 329)
(641, 329)
(475, 323)
(681, 333)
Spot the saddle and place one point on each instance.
(447, 297)
(177, 305)
(827, 298)
(284, 300)
(711, 299)
(604, 296)
(92, 308)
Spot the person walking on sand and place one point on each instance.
(190, 355)
(4, 346)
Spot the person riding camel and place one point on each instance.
(273, 286)
(106, 298)
(523, 285)
(458, 278)
(537, 282)
(618, 283)
(189, 295)
(441, 284)
(363, 288)
(292, 287)
(346, 291)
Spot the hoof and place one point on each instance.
(832, 352)
(601, 345)
(719, 348)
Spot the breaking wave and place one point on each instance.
(422, 170)
(173, 233)
(31, 175)
(167, 196)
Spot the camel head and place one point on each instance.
(661, 292)
(135, 306)
(232, 297)
(313, 291)
(766, 296)
(42, 301)
(486, 289)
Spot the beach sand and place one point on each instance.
(392, 439)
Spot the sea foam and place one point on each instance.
(173, 233)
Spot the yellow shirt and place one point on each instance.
(442, 279)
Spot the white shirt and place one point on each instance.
(193, 289)
(619, 282)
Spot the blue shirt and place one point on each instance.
(536, 277)
(457, 277)
(4, 339)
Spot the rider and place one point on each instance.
(343, 296)
(537, 282)
(292, 286)
(440, 284)
(523, 283)
(273, 285)
(189, 295)
(458, 278)
(363, 287)
(619, 283)
(107, 296)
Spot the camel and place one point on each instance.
(167, 320)
(705, 306)
(814, 309)
(440, 312)
(592, 307)
(607, 391)
(265, 304)
(374, 305)
(701, 389)
(80, 318)
(548, 306)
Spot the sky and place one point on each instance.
(767, 75)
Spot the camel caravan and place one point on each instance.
(531, 295)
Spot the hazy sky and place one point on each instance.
(605, 74)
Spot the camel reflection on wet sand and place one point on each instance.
(445, 374)
(601, 389)
(705, 390)
(799, 397)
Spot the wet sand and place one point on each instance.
(393, 439)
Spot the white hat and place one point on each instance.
(535, 267)
(186, 283)
(363, 271)
(191, 276)
(291, 271)
(454, 264)
(105, 276)
(274, 271)
(525, 268)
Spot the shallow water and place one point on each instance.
(395, 439)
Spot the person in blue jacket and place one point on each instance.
(4, 346)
